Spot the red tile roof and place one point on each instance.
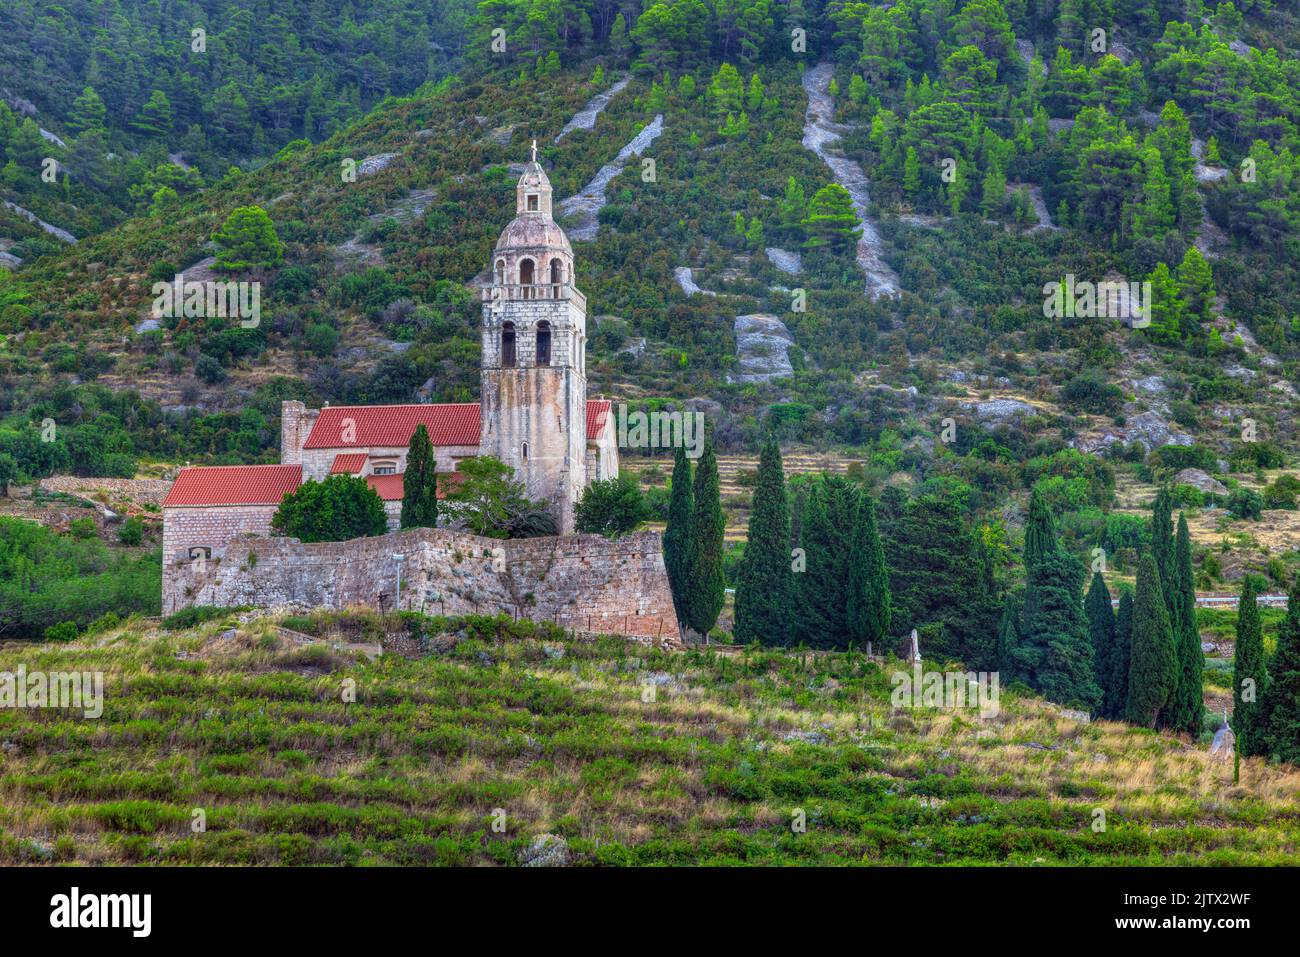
(597, 413)
(348, 463)
(391, 426)
(233, 485)
(388, 487)
(391, 488)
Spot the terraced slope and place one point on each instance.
(583, 753)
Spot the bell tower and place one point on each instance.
(534, 369)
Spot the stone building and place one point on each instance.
(534, 414)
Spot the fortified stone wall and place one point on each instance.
(584, 583)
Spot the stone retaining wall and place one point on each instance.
(584, 583)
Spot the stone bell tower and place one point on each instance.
(534, 369)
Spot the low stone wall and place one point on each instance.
(585, 583)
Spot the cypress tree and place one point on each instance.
(1162, 543)
(1282, 698)
(823, 587)
(1248, 675)
(763, 581)
(1008, 634)
(869, 607)
(1152, 661)
(1040, 532)
(1187, 713)
(420, 483)
(1116, 687)
(1101, 631)
(1055, 652)
(706, 584)
(677, 536)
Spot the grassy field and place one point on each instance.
(628, 755)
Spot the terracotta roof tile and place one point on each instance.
(391, 488)
(452, 423)
(348, 463)
(597, 414)
(233, 485)
(393, 425)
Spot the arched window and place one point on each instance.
(501, 272)
(557, 271)
(527, 276)
(525, 451)
(508, 346)
(543, 343)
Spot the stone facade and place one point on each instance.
(584, 583)
(211, 529)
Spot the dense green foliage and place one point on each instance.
(490, 501)
(48, 580)
(337, 509)
(611, 507)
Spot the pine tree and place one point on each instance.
(993, 196)
(869, 607)
(420, 483)
(677, 535)
(1282, 698)
(706, 584)
(911, 174)
(1249, 677)
(1187, 712)
(1152, 661)
(1154, 215)
(1101, 630)
(88, 113)
(1197, 281)
(763, 581)
(1116, 688)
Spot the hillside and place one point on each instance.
(629, 755)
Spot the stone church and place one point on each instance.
(534, 412)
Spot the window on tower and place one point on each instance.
(557, 272)
(527, 276)
(532, 202)
(543, 343)
(501, 272)
(508, 345)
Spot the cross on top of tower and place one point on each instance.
(534, 151)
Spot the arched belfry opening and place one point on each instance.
(501, 272)
(543, 343)
(508, 346)
(557, 272)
